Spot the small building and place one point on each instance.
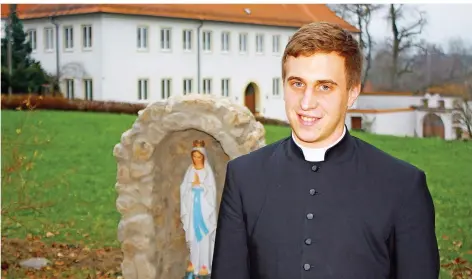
(434, 113)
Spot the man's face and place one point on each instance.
(316, 97)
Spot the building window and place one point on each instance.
(276, 86)
(207, 40)
(187, 86)
(441, 104)
(206, 86)
(225, 41)
(143, 89)
(187, 38)
(275, 43)
(142, 37)
(165, 39)
(424, 102)
(242, 42)
(32, 38)
(70, 89)
(88, 89)
(165, 88)
(68, 37)
(225, 87)
(48, 38)
(259, 43)
(87, 36)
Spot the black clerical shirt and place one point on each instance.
(361, 213)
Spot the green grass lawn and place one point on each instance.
(73, 176)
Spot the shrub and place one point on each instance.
(27, 101)
(18, 102)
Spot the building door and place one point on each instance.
(433, 126)
(356, 123)
(250, 97)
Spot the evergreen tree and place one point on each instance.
(28, 76)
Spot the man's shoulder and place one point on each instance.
(257, 157)
(380, 159)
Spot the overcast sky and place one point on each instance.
(444, 22)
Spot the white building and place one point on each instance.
(408, 115)
(142, 53)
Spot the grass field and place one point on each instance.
(67, 192)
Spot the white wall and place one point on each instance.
(409, 123)
(387, 101)
(396, 123)
(124, 63)
(88, 59)
(401, 123)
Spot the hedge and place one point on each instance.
(26, 101)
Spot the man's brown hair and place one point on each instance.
(324, 37)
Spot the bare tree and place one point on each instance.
(460, 59)
(360, 15)
(404, 39)
(464, 106)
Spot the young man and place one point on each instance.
(322, 203)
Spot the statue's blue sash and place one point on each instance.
(199, 225)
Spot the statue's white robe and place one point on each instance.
(201, 252)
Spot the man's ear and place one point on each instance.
(353, 94)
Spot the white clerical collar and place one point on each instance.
(317, 154)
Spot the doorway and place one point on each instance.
(433, 126)
(356, 123)
(251, 95)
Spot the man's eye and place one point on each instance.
(325, 87)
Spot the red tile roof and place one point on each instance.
(387, 93)
(451, 89)
(390, 110)
(286, 15)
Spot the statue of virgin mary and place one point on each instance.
(198, 209)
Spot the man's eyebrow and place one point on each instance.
(294, 78)
(322, 81)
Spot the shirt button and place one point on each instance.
(315, 168)
(312, 192)
(306, 266)
(309, 216)
(308, 241)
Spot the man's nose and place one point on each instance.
(308, 100)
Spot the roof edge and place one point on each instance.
(181, 13)
(389, 110)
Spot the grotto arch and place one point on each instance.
(152, 157)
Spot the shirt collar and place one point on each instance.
(317, 154)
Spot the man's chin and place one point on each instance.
(308, 135)
(309, 138)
